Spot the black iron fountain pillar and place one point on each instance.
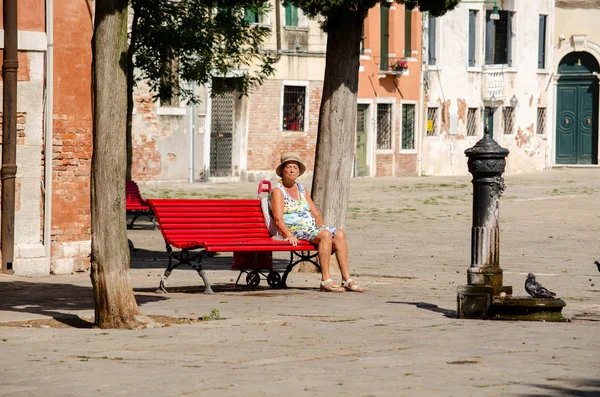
(486, 164)
(486, 161)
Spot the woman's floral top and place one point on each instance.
(297, 216)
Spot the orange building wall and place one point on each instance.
(369, 83)
(30, 15)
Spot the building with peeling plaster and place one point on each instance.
(494, 71)
(576, 74)
(231, 138)
(54, 129)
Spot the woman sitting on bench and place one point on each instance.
(297, 218)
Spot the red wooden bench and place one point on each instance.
(135, 205)
(212, 226)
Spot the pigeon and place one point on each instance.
(536, 289)
(597, 264)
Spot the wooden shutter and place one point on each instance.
(542, 42)
(489, 38)
(385, 35)
(509, 17)
(432, 42)
(291, 15)
(472, 24)
(407, 32)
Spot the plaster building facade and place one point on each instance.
(576, 74)
(489, 68)
(232, 138)
(54, 127)
(388, 111)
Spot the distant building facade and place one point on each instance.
(494, 69)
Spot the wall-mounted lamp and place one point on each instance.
(514, 101)
(493, 101)
(495, 15)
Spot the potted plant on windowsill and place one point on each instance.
(399, 65)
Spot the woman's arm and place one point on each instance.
(277, 210)
(313, 209)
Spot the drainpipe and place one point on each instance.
(9, 128)
(191, 108)
(48, 128)
(424, 63)
(278, 24)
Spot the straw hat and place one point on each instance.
(287, 157)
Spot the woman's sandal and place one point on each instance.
(354, 287)
(329, 286)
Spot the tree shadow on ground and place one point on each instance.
(429, 306)
(54, 300)
(575, 388)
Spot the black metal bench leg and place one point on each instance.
(163, 280)
(202, 273)
(302, 258)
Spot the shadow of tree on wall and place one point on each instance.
(575, 388)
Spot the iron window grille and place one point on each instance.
(408, 126)
(508, 116)
(541, 121)
(472, 122)
(432, 117)
(294, 100)
(384, 126)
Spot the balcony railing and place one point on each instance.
(391, 65)
(493, 85)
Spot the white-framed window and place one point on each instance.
(293, 16)
(408, 126)
(294, 106)
(384, 126)
(499, 38)
(432, 120)
(256, 16)
(541, 121)
(508, 119)
(472, 121)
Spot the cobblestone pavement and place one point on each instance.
(410, 248)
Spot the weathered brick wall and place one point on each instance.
(406, 164)
(266, 141)
(384, 164)
(72, 137)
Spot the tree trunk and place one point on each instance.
(130, 85)
(334, 159)
(115, 305)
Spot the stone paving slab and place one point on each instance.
(410, 247)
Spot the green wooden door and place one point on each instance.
(577, 110)
(361, 140)
(577, 122)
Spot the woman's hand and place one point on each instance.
(293, 240)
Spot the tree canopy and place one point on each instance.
(198, 40)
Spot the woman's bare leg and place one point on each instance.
(324, 243)
(341, 253)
